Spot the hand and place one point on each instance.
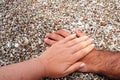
(91, 65)
(52, 38)
(61, 58)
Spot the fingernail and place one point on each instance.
(93, 45)
(82, 65)
(92, 39)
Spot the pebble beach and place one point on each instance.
(24, 24)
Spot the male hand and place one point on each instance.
(62, 57)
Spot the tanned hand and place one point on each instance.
(102, 62)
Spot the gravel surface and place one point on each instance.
(24, 23)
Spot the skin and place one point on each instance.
(102, 62)
(57, 61)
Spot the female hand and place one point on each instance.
(62, 57)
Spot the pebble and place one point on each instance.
(9, 44)
(25, 22)
(104, 23)
(39, 41)
(0, 19)
(16, 45)
(25, 41)
(0, 16)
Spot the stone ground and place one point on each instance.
(24, 23)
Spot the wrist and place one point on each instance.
(41, 67)
(36, 68)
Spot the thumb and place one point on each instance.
(75, 67)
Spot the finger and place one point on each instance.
(79, 33)
(82, 53)
(87, 68)
(76, 41)
(70, 37)
(49, 41)
(75, 67)
(54, 36)
(63, 33)
(81, 45)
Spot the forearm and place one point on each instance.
(103, 62)
(110, 64)
(27, 70)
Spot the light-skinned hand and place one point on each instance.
(52, 38)
(62, 57)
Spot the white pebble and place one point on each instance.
(9, 44)
(16, 45)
